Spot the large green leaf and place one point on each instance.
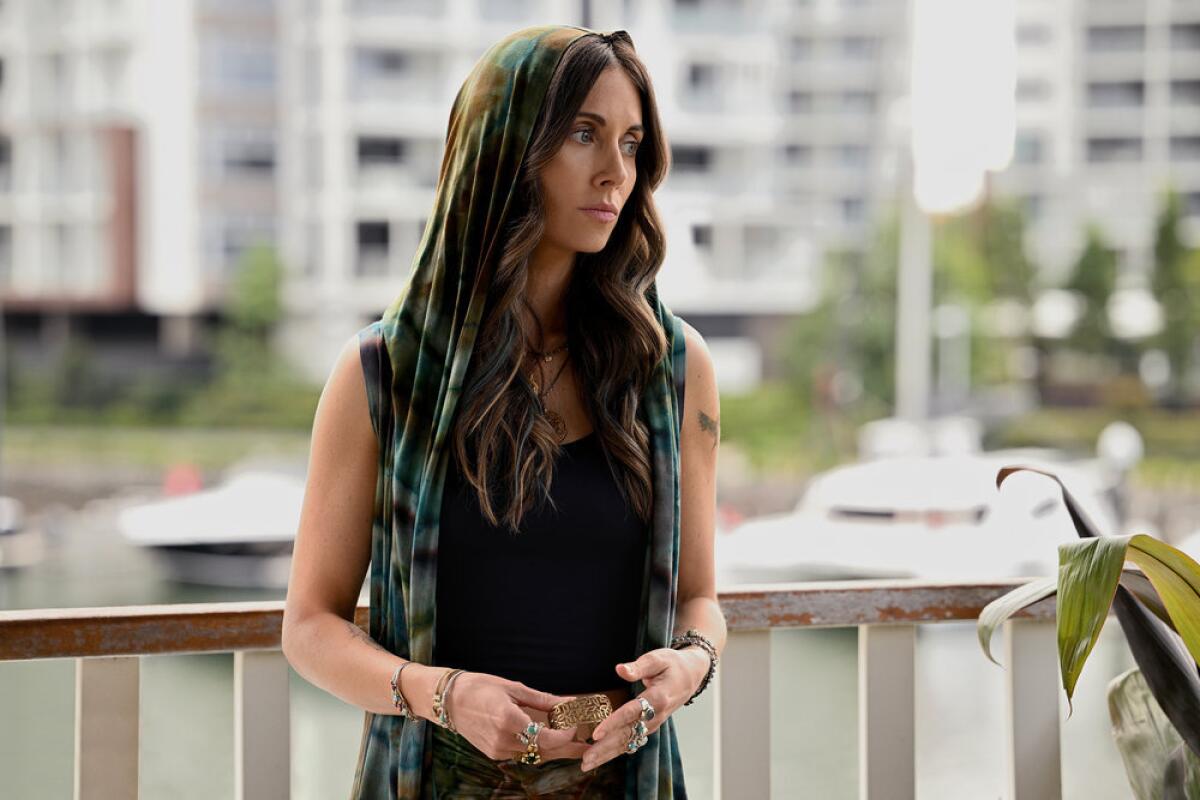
(998, 611)
(1150, 747)
(1088, 573)
(1176, 578)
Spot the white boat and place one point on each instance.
(932, 517)
(21, 544)
(237, 534)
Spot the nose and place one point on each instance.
(613, 171)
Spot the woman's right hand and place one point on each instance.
(489, 711)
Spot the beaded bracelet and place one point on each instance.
(397, 695)
(695, 637)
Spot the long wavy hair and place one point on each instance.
(502, 442)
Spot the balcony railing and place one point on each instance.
(108, 643)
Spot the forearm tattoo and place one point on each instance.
(711, 426)
(359, 633)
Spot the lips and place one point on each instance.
(605, 212)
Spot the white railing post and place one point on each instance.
(1032, 681)
(743, 716)
(262, 726)
(106, 727)
(886, 699)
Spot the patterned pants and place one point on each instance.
(461, 770)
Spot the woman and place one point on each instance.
(540, 506)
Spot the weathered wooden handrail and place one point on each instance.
(227, 627)
(109, 641)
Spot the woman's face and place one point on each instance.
(595, 167)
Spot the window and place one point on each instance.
(248, 154)
(861, 48)
(702, 77)
(853, 209)
(1185, 148)
(245, 66)
(1117, 94)
(1191, 204)
(1115, 38)
(799, 102)
(377, 63)
(5, 255)
(1030, 35)
(800, 48)
(374, 244)
(1032, 89)
(702, 237)
(853, 155)
(5, 164)
(1102, 150)
(858, 100)
(1185, 37)
(1031, 207)
(691, 158)
(375, 151)
(1185, 92)
(1028, 148)
(797, 153)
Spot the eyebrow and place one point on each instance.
(602, 121)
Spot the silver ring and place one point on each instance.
(647, 709)
(529, 735)
(637, 737)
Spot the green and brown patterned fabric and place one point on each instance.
(415, 360)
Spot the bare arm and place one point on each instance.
(698, 607)
(332, 553)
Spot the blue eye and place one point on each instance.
(588, 131)
(634, 145)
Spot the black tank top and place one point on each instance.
(555, 606)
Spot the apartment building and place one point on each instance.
(137, 163)
(776, 111)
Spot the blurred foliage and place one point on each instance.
(1176, 284)
(1093, 279)
(842, 353)
(772, 428)
(250, 384)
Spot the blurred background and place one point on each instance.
(923, 239)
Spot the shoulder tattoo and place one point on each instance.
(711, 426)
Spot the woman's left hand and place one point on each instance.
(670, 676)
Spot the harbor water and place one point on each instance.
(187, 702)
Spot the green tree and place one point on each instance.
(1094, 279)
(1176, 293)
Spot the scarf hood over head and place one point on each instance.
(415, 361)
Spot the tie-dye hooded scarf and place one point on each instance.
(415, 360)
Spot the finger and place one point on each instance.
(621, 719)
(532, 698)
(615, 744)
(647, 664)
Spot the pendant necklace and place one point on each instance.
(553, 417)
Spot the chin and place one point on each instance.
(592, 246)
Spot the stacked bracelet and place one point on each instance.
(695, 637)
(397, 694)
(441, 693)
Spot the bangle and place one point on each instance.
(439, 699)
(446, 698)
(695, 637)
(397, 693)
